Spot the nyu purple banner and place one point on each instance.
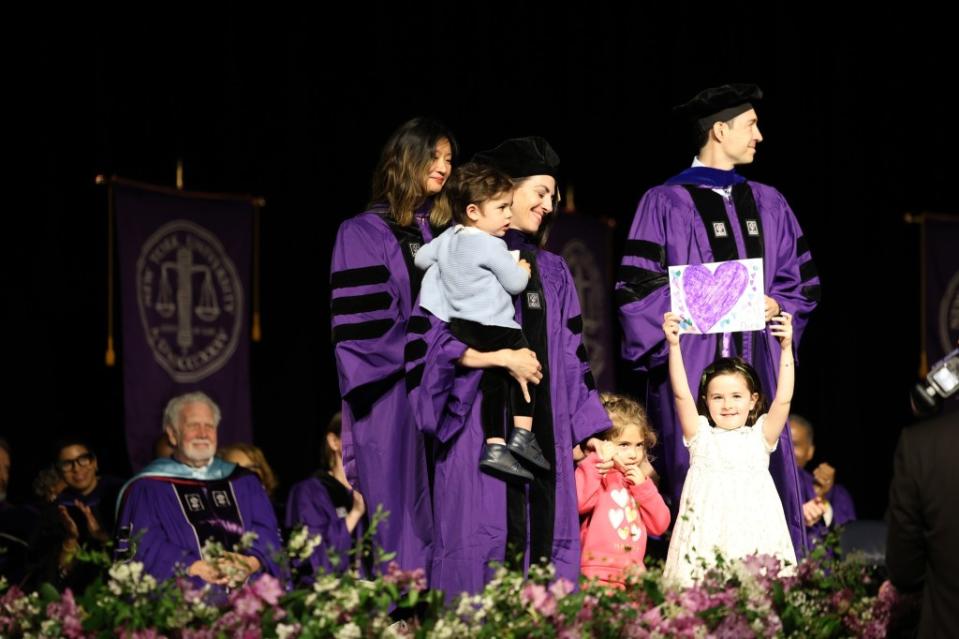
(585, 243)
(184, 264)
(941, 254)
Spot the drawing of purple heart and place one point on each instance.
(709, 296)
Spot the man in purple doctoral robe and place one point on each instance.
(709, 213)
(375, 284)
(169, 510)
(480, 519)
(826, 504)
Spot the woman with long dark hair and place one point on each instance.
(374, 286)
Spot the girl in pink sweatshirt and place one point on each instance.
(618, 506)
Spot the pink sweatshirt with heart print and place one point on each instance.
(616, 515)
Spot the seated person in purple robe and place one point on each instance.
(470, 281)
(825, 503)
(328, 506)
(174, 506)
(711, 213)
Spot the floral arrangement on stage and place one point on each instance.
(828, 596)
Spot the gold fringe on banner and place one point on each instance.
(110, 357)
(256, 332)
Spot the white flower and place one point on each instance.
(349, 631)
(50, 628)
(297, 539)
(285, 631)
(302, 544)
(212, 550)
(351, 600)
(246, 541)
(326, 584)
(450, 629)
(147, 584)
(120, 572)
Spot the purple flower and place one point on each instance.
(635, 631)
(227, 620)
(734, 626)
(268, 588)
(65, 611)
(191, 593)
(653, 617)
(727, 597)
(146, 633)
(539, 598)
(586, 612)
(694, 600)
(405, 579)
(561, 587)
(683, 626)
(246, 603)
(841, 600)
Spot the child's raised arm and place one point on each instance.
(779, 407)
(685, 403)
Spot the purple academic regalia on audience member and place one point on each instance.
(310, 504)
(383, 453)
(165, 521)
(681, 223)
(477, 514)
(843, 509)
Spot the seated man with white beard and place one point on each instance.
(174, 505)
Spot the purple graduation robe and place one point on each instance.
(843, 509)
(164, 520)
(311, 505)
(691, 224)
(374, 284)
(476, 515)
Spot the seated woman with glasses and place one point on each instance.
(82, 515)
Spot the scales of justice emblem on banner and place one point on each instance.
(190, 300)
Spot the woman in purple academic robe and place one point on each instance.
(479, 520)
(374, 284)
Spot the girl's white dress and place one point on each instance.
(729, 503)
